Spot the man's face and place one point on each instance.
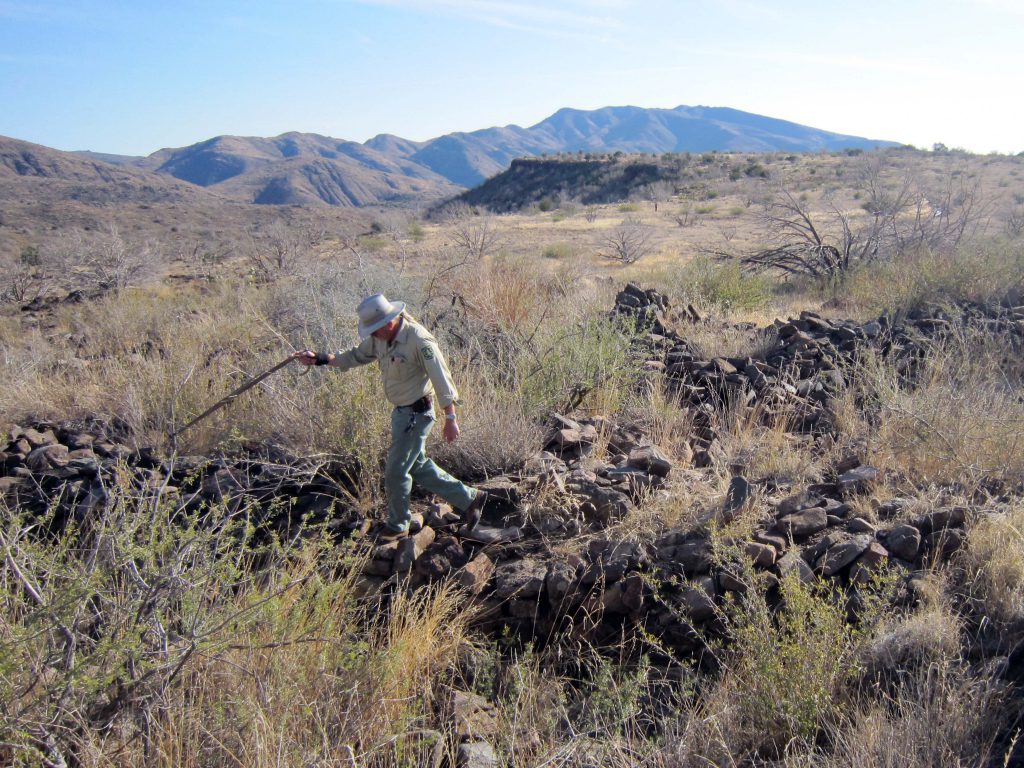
(385, 333)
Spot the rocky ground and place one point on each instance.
(548, 556)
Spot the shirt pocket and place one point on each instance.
(397, 366)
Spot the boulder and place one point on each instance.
(698, 599)
(602, 505)
(473, 718)
(798, 501)
(476, 574)
(650, 459)
(561, 582)
(440, 558)
(519, 578)
(762, 555)
(857, 480)
(791, 564)
(840, 555)
(693, 556)
(803, 523)
(48, 456)
(904, 542)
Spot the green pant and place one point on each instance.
(408, 463)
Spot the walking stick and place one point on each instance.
(229, 398)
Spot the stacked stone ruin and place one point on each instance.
(543, 558)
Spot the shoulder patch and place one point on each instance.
(428, 352)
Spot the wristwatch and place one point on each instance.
(449, 417)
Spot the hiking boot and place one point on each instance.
(386, 533)
(471, 514)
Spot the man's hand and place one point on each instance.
(451, 430)
(309, 357)
(305, 356)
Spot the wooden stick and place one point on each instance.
(229, 398)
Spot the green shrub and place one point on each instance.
(722, 285)
(373, 244)
(788, 669)
(559, 250)
(416, 232)
(628, 207)
(978, 271)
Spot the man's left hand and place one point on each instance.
(451, 430)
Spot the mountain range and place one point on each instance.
(310, 169)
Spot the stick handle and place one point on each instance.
(232, 395)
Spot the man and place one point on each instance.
(414, 373)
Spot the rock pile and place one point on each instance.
(589, 475)
(72, 469)
(804, 362)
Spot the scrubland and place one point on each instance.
(149, 637)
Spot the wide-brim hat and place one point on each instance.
(375, 312)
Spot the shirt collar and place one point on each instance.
(400, 336)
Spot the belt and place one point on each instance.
(424, 405)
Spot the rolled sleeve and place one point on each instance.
(437, 371)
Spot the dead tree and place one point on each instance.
(629, 242)
(900, 220)
(475, 236)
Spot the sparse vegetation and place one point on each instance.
(172, 633)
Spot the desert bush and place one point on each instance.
(905, 643)
(1015, 223)
(958, 419)
(785, 674)
(282, 250)
(100, 260)
(475, 236)
(983, 270)
(416, 232)
(721, 286)
(24, 281)
(560, 250)
(942, 714)
(153, 637)
(629, 242)
(995, 564)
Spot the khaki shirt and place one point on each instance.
(411, 365)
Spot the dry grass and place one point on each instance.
(959, 422)
(204, 658)
(995, 564)
(293, 664)
(942, 715)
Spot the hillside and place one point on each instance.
(310, 169)
(31, 171)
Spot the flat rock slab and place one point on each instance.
(803, 523)
(843, 554)
(857, 480)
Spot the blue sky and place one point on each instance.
(133, 77)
